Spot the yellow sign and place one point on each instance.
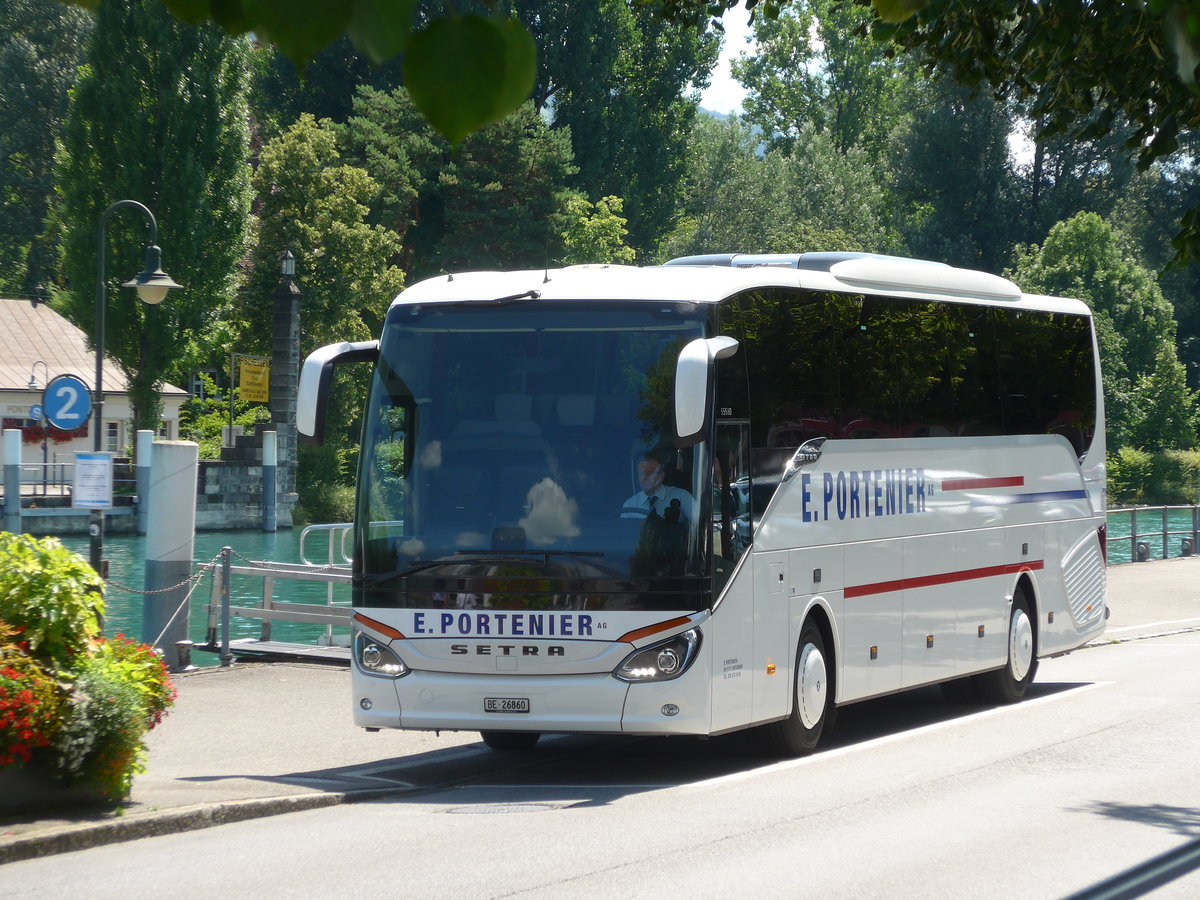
(254, 379)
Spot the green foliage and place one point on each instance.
(1083, 68)
(159, 116)
(595, 232)
(201, 417)
(1084, 257)
(51, 596)
(41, 44)
(74, 702)
(1129, 475)
(99, 743)
(469, 71)
(1140, 477)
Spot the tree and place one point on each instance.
(1084, 68)
(41, 44)
(595, 232)
(953, 184)
(497, 202)
(158, 115)
(814, 67)
(618, 76)
(1166, 411)
(316, 205)
(1082, 257)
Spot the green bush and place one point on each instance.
(1128, 476)
(50, 595)
(72, 702)
(1139, 477)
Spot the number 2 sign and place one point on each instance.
(67, 402)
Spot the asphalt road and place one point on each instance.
(913, 797)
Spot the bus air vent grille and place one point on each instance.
(1083, 576)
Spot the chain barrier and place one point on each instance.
(195, 580)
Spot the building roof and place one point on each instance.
(31, 333)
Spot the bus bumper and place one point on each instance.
(596, 703)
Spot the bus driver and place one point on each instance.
(657, 498)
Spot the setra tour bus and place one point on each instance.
(731, 491)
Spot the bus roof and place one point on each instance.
(710, 279)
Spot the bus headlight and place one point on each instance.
(376, 658)
(662, 661)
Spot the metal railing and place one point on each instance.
(1151, 530)
(332, 614)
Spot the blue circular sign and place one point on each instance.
(67, 402)
(36, 412)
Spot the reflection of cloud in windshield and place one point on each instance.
(470, 539)
(413, 547)
(431, 456)
(552, 513)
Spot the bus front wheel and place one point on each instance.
(812, 699)
(1009, 684)
(510, 740)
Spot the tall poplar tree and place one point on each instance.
(158, 116)
(41, 44)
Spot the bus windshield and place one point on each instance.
(522, 456)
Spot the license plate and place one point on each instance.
(506, 704)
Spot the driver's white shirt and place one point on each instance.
(638, 506)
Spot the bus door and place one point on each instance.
(733, 588)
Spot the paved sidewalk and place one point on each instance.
(260, 739)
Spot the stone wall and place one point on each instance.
(229, 489)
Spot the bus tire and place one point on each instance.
(510, 740)
(813, 711)
(1009, 684)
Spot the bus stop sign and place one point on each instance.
(66, 402)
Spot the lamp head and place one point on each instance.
(152, 283)
(287, 264)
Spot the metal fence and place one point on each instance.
(1143, 533)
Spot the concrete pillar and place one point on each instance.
(12, 480)
(170, 537)
(145, 440)
(285, 378)
(269, 495)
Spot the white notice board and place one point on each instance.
(93, 481)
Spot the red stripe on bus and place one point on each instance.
(968, 484)
(885, 587)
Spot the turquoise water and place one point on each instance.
(126, 556)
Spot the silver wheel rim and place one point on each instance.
(1020, 644)
(812, 685)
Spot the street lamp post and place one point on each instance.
(152, 284)
(33, 383)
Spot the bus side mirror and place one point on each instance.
(694, 387)
(316, 376)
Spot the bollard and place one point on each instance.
(269, 460)
(169, 541)
(183, 657)
(145, 445)
(1143, 552)
(226, 565)
(12, 480)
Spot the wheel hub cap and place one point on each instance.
(812, 687)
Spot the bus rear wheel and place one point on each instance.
(1009, 684)
(510, 740)
(812, 699)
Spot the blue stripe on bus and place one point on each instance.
(1040, 497)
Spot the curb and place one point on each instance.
(67, 838)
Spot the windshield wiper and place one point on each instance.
(522, 297)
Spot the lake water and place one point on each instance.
(126, 555)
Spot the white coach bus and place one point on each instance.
(729, 491)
